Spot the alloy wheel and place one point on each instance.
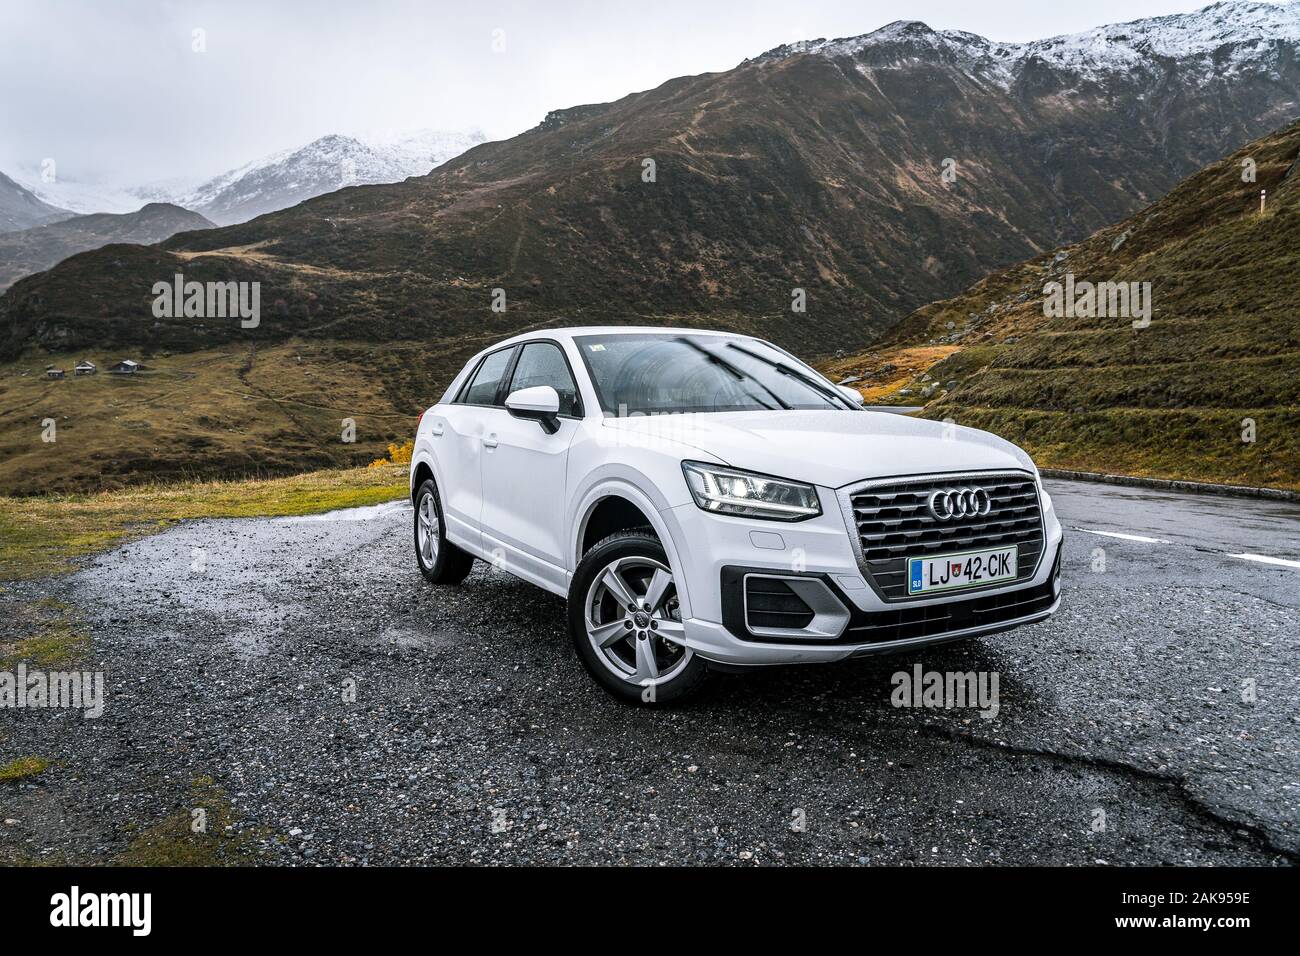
(426, 531)
(633, 620)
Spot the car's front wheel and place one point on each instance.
(626, 623)
(440, 561)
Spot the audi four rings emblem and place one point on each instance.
(949, 503)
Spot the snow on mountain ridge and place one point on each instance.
(332, 162)
(328, 163)
(1250, 28)
(1203, 33)
(78, 196)
(422, 149)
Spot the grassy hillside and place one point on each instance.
(224, 412)
(1171, 400)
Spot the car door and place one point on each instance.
(457, 432)
(524, 471)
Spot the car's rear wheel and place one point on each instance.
(440, 561)
(626, 624)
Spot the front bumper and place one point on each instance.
(717, 553)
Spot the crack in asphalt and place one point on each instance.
(1181, 793)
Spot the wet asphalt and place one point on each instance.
(1154, 720)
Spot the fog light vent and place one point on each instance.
(770, 603)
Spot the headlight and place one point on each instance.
(727, 491)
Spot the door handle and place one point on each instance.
(490, 441)
(437, 431)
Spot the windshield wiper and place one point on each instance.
(736, 373)
(792, 372)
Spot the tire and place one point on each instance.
(632, 654)
(440, 561)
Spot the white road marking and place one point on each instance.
(1125, 537)
(1265, 559)
(1260, 558)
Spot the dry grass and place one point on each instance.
(223, 413)
(888, 371)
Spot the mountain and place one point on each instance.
(1222, 40)
(83, 196)
(383, 156)
(419, 151)
(31, 250)
(819, 169)
(1209, 390)
(332, 162)
(21, 209)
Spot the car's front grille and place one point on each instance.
(894, 523)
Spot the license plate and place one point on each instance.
(949, 572)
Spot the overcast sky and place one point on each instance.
(115, 90)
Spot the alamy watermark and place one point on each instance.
(75, 908)
(1098, 300)
(73, 690)
(944, 690)
(208, 300)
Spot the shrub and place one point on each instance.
(397, 455)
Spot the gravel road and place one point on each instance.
(476, 737)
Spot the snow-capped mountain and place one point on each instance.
(422, 149)
(332, 162)
(80, 196)
(1222, 39)
(20, 208)
(264, 185)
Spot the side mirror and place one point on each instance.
(851, 393)
(541, 403)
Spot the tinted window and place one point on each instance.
(648, 373)
(483, 388)
(541, 363)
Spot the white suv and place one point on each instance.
(705, 500)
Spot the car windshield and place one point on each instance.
(643, 373)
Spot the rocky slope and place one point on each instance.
(1209, 390)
